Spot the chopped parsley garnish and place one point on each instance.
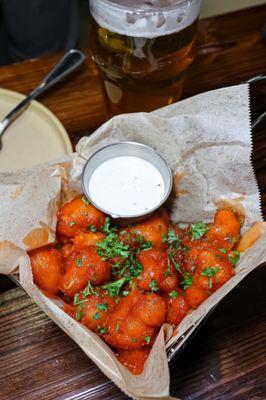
(173, 294)
(134, 266)
(198, 230)
(147, 245)
(234, 260)
(85, 201)
(102, 331)
(172, 239)
(59, 246)
(111, 247)
(147, 339)
(107, 226)
(144, 244)
(234, 240)
(117, 265)
(102, 307)
(125, 293)
(223, 251)
(113, 288)
(89, 290)
(72, 223)
(187, 280)
(186, 248)
(153, 286)
(210, 272)
(168, 271)
(176, 265)
(130, 265)
(118, 269)
(91, 228)
(96, 316)
(76, 299)
(79, 304)
(79, 262)
(78, 315)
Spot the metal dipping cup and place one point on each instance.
(128, 149)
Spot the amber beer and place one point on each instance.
(143, 49)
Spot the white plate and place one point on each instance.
(35, 137)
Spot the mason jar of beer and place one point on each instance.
(142, 49)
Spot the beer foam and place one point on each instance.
(146, 19)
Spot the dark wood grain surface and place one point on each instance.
(227, 358)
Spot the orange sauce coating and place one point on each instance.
(125, 283)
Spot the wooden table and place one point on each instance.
(227, 359)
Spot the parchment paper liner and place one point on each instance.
(206, 141)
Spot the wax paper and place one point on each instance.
(207, 142)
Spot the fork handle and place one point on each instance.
(68, 63)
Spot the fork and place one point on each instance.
(68, 63)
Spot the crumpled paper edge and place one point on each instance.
(232, 278)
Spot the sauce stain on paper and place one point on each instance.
(177, 181)
(67, 192)
(16, 193)
(36, 238)
(65, 166)
(47, 227)
(6, 243)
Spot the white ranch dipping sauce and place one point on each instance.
(126, 186)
